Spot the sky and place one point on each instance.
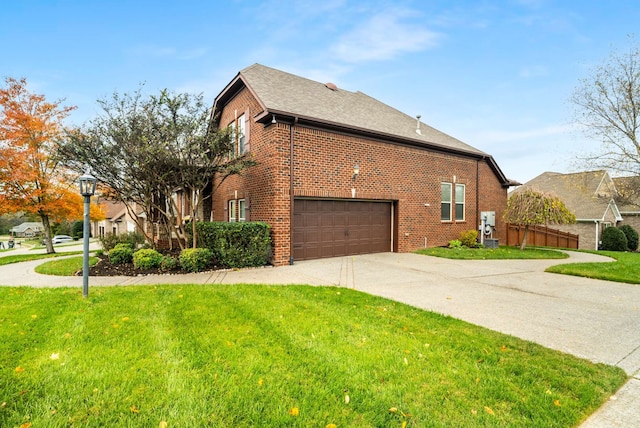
(495, 74)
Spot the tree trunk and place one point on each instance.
(524, 237)
(47, 233)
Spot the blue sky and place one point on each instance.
(494, 74)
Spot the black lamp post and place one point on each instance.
(87, 189)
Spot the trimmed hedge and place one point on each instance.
(613, 239)
(195, 259)
(147, 258)
(121, 253)
(235, 245)
(632, 236)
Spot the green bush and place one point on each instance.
(121, 253)
(235, 245)
(455, 243)
(632, 236)
(110, 240)
(147, 258)
(613, 239)
(168, 263)
(469, 238)
(195, 259)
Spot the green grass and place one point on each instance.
(17, 258)
(500, 253)
(64, 267)
(626, 268)
(274, 356)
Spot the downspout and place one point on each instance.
(597, 233)
(295, 121)
(478, 220)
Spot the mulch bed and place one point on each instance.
(105, 268)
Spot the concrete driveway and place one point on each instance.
(592, 319)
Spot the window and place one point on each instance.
(232, 146)
(445, 206)
(241, 135)
(232, 210)
(460, 190)
(241, 210)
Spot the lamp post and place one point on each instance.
(87, 189)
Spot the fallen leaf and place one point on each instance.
(393, 410)
(294, 412)
(331, 426)
(261, 382)
(503, 348)
(125, 318)
(404, 424)
(406, 362)
(488, 410)
(67, 335)
(19, 369)
(134, 410)
(347, 399)
(163, 424)
(25, 425)
(34, 317)
(55, 356)
(557, 403)
(474, 412)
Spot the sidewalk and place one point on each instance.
(592, 319)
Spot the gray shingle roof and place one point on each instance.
(586, 194)
(285, 93)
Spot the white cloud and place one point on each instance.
(383, 36)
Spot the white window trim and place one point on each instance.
(231, 215)
(450, 202)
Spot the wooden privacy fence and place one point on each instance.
(541, 236)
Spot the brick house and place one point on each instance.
(590, 195)
(340, 173)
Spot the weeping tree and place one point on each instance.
(530, 207)
(144, 150)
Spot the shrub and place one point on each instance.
(110, 240)
(195, 259)
(121, 253)
(168, 263)
(469, 238)
(455, 243)
(236, 245)
(613, 239)
(147, 259)
(632, 236)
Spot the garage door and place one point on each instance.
(332, 228)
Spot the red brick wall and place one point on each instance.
(323, 167)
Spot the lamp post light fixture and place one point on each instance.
(87, 189)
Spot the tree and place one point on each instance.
(144, 150)
(530, 207)
(607, 109)
(32, 179)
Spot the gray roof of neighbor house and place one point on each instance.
(586, 194)
(287, 96)
(33, 225)
(629, 194)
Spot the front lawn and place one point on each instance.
(249, 355)
(64, 267)
(17, 258)
(626, 268)
(503, 252)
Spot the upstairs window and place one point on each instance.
(242, 128)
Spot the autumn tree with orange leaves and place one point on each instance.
(32, 178)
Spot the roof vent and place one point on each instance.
(418, 131)
(331, 86)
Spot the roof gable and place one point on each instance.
(589, 195)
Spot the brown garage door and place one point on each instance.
(332, 228)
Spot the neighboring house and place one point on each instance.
(628, 199)
(117, 220)
(590, 195)
(340, 173)
(27, 230)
